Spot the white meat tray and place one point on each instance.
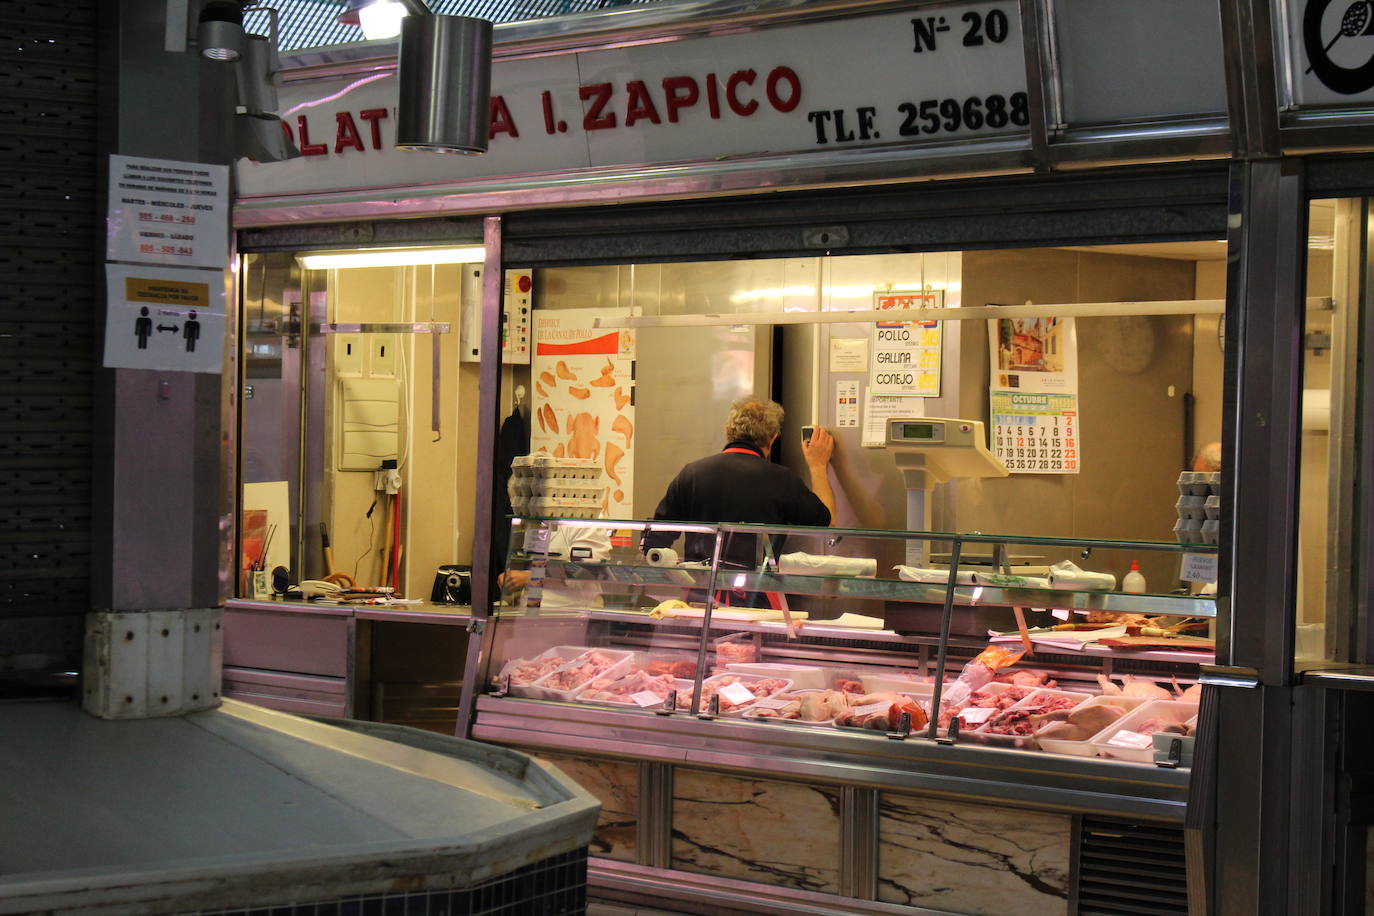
(1033, 699)
(803, 677)
(1170, 710)
(684, 701)
(896, 682)
(574, 655)
(682, 685)
(1085, 747)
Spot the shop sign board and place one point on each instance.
(164, 318)
(168, 212)
(1330, 52)
(926, 74)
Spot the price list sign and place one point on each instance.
(1036, 433)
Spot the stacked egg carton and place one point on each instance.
(1199, 507)
(556, 487)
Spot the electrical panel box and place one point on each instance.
(517, 317)
(369, 422)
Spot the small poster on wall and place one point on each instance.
(1033, 394)
(906, 354)
(583, 402)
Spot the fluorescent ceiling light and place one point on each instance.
(391, 257)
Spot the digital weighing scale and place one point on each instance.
(931, 450)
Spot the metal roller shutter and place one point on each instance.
(49, 182)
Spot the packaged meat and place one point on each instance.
(981, 669)
(1148, 719)
(731, 651)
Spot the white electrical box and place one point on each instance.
(369, 422)
(518, 304)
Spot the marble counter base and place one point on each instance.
(616, 784)
(779, 833)
(969, 858)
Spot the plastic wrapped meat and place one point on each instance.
(883, 712)
(813, 706)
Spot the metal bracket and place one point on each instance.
(712, 708)
(478, 626)
(1175, 757)
(669, 704)
(951, 733)
(903, 728)
(502, 686)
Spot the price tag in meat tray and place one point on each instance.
(872, 709)
(737, 694)
(646, 698)
(771, 704)
(976, 715)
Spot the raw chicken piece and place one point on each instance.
(1192, 694)
(1142, 687)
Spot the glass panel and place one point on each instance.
(831, 628)
(1326, 626)
(348, 370)
(1105, 48)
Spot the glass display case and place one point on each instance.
(1031, 645)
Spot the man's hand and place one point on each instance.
(513, 579)
(818, 449)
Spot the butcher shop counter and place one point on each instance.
(401, 664)
(787, 759)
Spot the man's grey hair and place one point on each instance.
(755, 420)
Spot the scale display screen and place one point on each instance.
(922, 432)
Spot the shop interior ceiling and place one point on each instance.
(309, 24)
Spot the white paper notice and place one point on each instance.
(167, 212)
(164, 318)
(848, 354)
(736, 693)
(1199, 567)
(847, 404)
(882, 407)
(976, 715)
(906, 354)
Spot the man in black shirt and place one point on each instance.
(740, 484)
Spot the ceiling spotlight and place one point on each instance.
(377, 18)
(258, 133)
(220, 32)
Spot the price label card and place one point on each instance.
(976, 715)
(1036, 433)
(872, 709)
(772, 704)
(737, 694)
(646, 698)
(1199, 567)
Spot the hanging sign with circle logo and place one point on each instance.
(1331, 52)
